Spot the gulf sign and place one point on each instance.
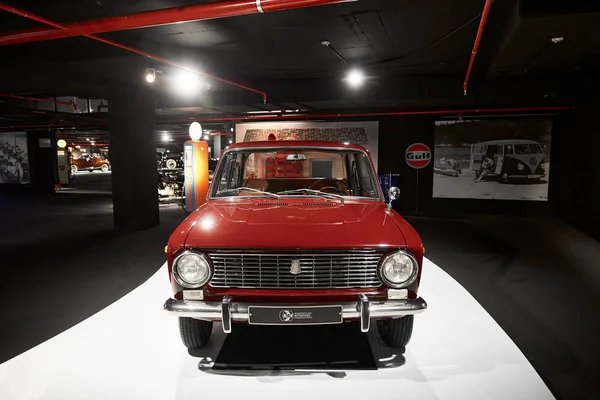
(418, 155)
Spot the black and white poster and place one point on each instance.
(496, 159)
(364, 133)
(14, 160)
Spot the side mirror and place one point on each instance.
(393, 194)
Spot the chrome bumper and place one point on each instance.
(228, 311)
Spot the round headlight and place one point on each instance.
(399, 269)
(520, 167)
(191, 269)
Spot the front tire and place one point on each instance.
(194, 333)
(74, 168)
(396, 332)
(104, 168)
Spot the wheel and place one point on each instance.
(504, 177)
(104, 167)
(74, 168)
(171, 164)
(194, 333)
(396, 332)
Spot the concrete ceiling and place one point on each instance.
(414, 51)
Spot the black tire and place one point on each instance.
(396, 332)
(194, 333)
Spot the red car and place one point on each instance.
(295, 233)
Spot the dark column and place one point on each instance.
(131, 112)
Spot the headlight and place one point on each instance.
(191, 269)
(520, 167)
(399, 269)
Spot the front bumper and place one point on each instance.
(228, 311)
(530, 176)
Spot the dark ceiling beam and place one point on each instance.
(399, 91)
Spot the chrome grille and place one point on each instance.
(340, 269)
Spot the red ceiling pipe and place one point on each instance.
(484, 17)
(66, 103)
(314, 116)
(124, 47)
(197, 12)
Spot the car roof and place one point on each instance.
(294, 144)
(508, 141)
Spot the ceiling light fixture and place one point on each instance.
(187, 83)
(557, 39)
(166, 137)
(150, 75)
(355, 78)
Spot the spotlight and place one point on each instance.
(166, 137)
(150, 75)
(187, 83)
(230, 141)
(355, 78)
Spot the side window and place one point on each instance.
(230, 172)
(364, 174)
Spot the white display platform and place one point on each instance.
(132, 350)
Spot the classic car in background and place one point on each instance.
(170, 160)
(170, 185)
(295, 233)
(89, 162)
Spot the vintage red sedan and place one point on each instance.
(295, 233)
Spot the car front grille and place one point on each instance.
(322, 270)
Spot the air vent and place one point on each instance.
(318, 204)
(272, 204)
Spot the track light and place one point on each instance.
(188, 83)
(150, 75)
(355, 78)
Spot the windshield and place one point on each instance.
(532, 148)
(295, 172)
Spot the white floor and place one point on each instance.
(132, 350)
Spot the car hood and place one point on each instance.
(294, 223)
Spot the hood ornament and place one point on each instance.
(295, 267)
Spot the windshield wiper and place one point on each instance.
(315, 192)
(247, 189)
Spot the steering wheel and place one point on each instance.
(328, 185)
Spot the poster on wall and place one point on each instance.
(14, 159)
(506, 159)
(364, 133)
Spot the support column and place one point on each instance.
(131, 116)
(216, 146)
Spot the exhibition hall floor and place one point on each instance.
(132, 349)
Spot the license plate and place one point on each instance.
(306, 315)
